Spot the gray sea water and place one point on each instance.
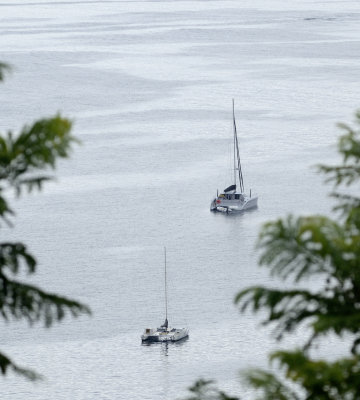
(149, 86)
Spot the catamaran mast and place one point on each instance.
(237, 155)
(166, 305)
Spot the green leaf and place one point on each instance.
(6, 364)
(36, 148)
(270, 386)
(205, 390)
(22, 301)
(349, 147)
(321, 379)
(4, 68)
(12, 255)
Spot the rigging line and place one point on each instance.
(239, 167)
(166, 305)
(230, 169)
(236, 145)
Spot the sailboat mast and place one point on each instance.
(234, 143)
(236, 147)
(166, 305)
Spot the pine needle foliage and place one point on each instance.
(26, 161)
(298, 250)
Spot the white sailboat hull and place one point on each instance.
(222, 204)
(164, 335)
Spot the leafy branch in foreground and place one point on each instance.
(205, 390)
(6, 364)
(299, 249)
(349, 147)
(271, 385)
(4, 68)
(25, 161)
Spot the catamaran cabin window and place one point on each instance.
(237, 196)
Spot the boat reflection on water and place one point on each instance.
(164, 346)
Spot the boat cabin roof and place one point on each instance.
(234, 194)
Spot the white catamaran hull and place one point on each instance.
(225, 205)
(169, 335)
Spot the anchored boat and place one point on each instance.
(232, 199)
(164, 333)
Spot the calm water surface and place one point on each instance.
(149, 87)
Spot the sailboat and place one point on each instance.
(232, 199)
(164, 333)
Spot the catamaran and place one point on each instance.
(231, 199)
(164, 333)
